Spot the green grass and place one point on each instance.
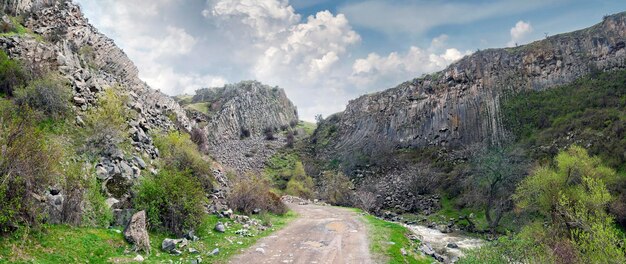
(308, 127)
(64, 244)
(20, 30)
(387, 239)
(200, 107)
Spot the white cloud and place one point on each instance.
(308, 50)
(519, 33)
(395, 67)
(265, 17)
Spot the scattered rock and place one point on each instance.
(168, 244)
(193, 251)
(256, 211)
(260, 250)
(79, 101)
(142, 164)
(111, 202)
(138, 258)
(219, 227)
(403, 251)
(215, 252)
(452, 245)
(228, 213)
(136, 233)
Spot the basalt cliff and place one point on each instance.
(460, 105)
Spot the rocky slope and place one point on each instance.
(237, 119)
(61, 40)
(460, 105)
(244, 109)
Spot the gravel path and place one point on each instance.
(320, 234)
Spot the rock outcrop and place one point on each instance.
(460, 105)
(244, 109)
(136, 232)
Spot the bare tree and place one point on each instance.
(366, 200)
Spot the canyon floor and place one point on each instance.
(321, 234)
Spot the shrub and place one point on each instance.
(50, 95)
(253, 192)
(106, 123)
(573, 197)
(179, 153)
(95, 211)
(12, 74)
(28, 163)
(299, 183)
(291, 139)
(174, 201)
(245, 133)
(269, 133)
(336, 188)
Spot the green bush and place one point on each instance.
(179, 153)
(50, 95)
(569, 201)
(300, 184)
(253, 192)
(28, 163)
(337, 188)
(96, 211)
(106, 123)
(174, 201)
(12, 75)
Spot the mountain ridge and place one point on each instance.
(460, 104)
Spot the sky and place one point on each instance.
(322, 52)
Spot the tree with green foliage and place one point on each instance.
(496, 174)
(573, 197)
(569, 202)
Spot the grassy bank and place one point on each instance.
(64, 244)
(388, 239)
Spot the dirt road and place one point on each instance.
(321, 234)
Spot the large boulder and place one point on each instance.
(136, 233)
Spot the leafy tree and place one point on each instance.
(106, 123)
(573, 196)
(496, 173)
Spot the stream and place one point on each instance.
(445, 247)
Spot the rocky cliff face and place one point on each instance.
(460, 105)
(245, 109)
(61, 40)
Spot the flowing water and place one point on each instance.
(439, 242)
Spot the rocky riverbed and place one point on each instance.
(445, 247)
